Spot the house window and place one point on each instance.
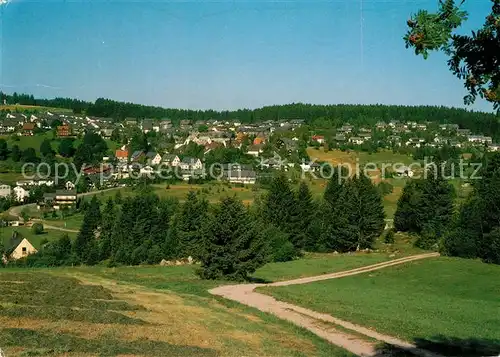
(24, 251)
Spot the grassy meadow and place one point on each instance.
(141, 311)
(440, 297)
(35, 239)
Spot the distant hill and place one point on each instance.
(22, 107)
(332, 115)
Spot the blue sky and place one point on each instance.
(224, 54)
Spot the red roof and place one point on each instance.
(28, 126)
(122, 154)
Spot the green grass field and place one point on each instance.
(317, 264)
(452, 298)
(34, 239)
(35, 141)
(213, 192)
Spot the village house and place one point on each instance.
(480, 139)
(5, 190)
(171, 160)
(69, 185)
(356, 140)
(339, 137)
(318, 138)
(65, 198)
(28, 129)
(494, 147)
(121, 155)
(191, 163)
(153, 158)
(346, 129)
(130, 122)
(416, 142)
(246, 177)
(146, 171)
(137, 155)
(20, 193)
(463, 132)
(255, 150)
(147, 126)
(64, 131)
(17, 248)
(259, 140)
(185, 124)
(106, 132)
(380, 125)
(404, 172)
(9, 126)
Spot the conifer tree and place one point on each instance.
(83, 246)
(279, 205)
(233, 247)
(304, 236)
(108, 222)
(367, 211)
(426, 207)
(185, 238)
(475, 233)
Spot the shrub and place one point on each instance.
(280, 248)
(37, 228)
(389, 237)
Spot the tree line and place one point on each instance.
(229, 239)
(470, 230)
(315, 115)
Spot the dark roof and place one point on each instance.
(189, 160)
(235, 167)
(66, 192)
(240, 174)
(169, 157)
(151, 154)
(136, 154)
(147, 124)
(13, 242)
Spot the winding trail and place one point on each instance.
(359, 342)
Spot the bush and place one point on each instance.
(280, 248)
(389, 237)
(37, 228)
(155, 255)
(459, 243)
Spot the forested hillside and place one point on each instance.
(320, 115)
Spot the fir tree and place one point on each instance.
(186, 227)
(279, 207)
(84, 246)
(108, 222)
(368, 212)
(233, 247)
(303, 236)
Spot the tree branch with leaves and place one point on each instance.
(473, 58)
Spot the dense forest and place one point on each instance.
(319, 115)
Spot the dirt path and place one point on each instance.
(317, 322)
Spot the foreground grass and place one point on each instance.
(452, 298)
(143, 311)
